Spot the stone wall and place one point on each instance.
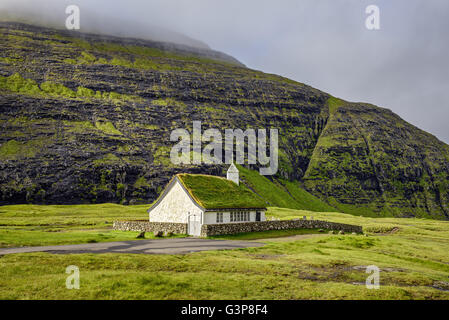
(232, 228)
(145, 225)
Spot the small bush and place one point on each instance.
(379, 229)
(70, 61)
(16, 83)
(85, 92)
(57, 89)
(108, 128)
(87, 58)
(121, 62)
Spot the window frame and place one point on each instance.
(240, 216)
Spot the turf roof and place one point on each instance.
(213, 192)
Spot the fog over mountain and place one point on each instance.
(94, 20)
(402, 67)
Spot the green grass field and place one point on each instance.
(33, 225)
(271, 234)
(413, 255)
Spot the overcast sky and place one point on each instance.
(324, 43)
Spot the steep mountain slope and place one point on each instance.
(370, 157)
(282, 193)
(86, 118)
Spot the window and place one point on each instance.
(240, 216)
(219, 217)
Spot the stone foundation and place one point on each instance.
(233, 228)
(145, 225)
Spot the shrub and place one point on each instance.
(57, 89)
(70, 61)
(16, 83)
(85, 92)
(379, 229)
(121, 62)
(87, 58)
(107, 127)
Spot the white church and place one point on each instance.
(198, 199)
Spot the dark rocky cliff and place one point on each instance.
(88, 119)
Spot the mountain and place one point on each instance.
(87, 118)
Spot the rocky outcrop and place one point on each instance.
(57, 148)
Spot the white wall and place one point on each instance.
(174, 207)
(210, 218)
(233, 176)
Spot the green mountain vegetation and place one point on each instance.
(282, 193)
(87, 119)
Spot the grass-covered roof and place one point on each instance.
(213, 192)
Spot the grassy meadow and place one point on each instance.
(34, 225)
(411, 253)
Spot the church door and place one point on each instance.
(194, 225)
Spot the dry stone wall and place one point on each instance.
(233, 228)
(146, 226)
